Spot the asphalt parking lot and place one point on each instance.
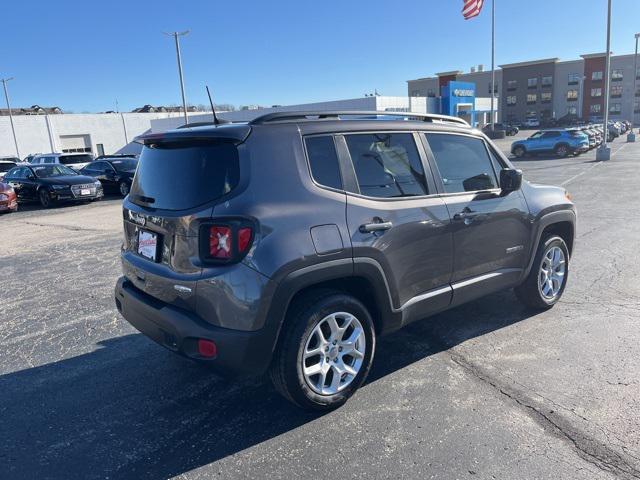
(485, 391)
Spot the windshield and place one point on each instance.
(6, 166)
(124, 165)
(54, 170)
(72, 159)
(179, 176)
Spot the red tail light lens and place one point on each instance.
(220, 242)
(226, 242)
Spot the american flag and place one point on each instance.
(471, 8)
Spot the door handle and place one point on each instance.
(464, 214)
(375, 227)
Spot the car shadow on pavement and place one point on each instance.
(130, 409)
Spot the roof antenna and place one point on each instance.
(213, 110)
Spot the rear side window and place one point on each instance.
(387, 165)
(463, 163)
(323, 161)
(179, 176)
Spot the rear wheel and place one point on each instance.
(326, 351)
(547, 279)
(124, 189)
(44, 198)
(519, 151)
(561, 150)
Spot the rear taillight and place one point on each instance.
(226, 242)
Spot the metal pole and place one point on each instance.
(13, 129)
(635, 78)
(604, 152)
(175, 35)
(580, 96)
(493, 58)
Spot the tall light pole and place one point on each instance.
(175, 35)
(493, 60)
(13, 128)
(632, 136)
(604, 151)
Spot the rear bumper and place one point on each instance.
(238, 352)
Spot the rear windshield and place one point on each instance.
(180, 176)
(71, 159)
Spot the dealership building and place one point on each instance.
(549, 88)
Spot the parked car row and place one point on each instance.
(51, 178)
(501, 129)
(564, 141)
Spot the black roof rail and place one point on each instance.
(335, 115)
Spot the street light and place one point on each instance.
(175, 35)
(604, 151)
(632, 136)
(13, 129)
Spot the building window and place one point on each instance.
(532, 82)
(572, 110)
(596, 108)
(532, 98)
(512, 85)
(615, 108)
(638, 92)
(415, 93)
(431, 93)
(545, 97)
(572, 95)
(574, 78)
(617, 75)
(596, 92)
(547, 81)
(616, 91)
(495, 88)
(638, 73)
(636, 106)
(596, 76)
(511, 100)
(532, 114)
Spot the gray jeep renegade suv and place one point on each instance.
(289, 244)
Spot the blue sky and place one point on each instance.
(83, 55)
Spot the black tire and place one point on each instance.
(529, 292)
(124, 188)
(561, 150)
(286, 368)
(519, 151)
(44, 198)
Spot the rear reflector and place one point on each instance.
(244, 237)
(207, 348)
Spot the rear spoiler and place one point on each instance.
(236, 133)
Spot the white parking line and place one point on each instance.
(566, 182)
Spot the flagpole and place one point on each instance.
(493, 59)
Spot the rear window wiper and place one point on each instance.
(144, 199)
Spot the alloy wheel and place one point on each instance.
(552, 273)
(333, 353)
(124, 189)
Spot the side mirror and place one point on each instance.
(510, 180)
(31, 176)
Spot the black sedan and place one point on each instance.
(50, 183)
(115, 173)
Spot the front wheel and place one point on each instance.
(124, 189)
(44, 198)
(326, 351)
(519, 151)
(561, 150)
(547, 279)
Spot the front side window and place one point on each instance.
(596, 75)
(387, 165)
(323, 160)
(463, 163)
